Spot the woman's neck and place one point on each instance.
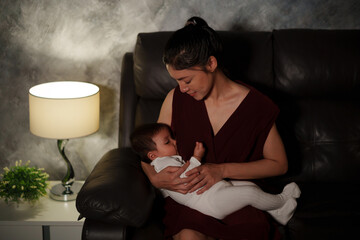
(223, 87)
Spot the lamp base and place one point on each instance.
(58, 192)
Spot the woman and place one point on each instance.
(234, 121)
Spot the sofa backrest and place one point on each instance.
(313, 76)
(317, 84)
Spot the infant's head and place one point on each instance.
(153, 140)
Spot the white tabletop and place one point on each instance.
(45, 211)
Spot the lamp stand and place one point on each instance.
(68, 189)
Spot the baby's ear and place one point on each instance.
(151, 155)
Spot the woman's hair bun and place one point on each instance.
(196, 21)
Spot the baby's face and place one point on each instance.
(165, 145)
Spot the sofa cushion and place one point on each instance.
(320, 145)
(317, 63)
(248, 57)
(150, 75)
(326, 211)
(317, 84)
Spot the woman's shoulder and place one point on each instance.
(170, 94)
(166, 108)
(258, 98)
(242, 89)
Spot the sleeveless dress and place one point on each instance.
(241, 139)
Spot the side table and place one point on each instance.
(47, 220)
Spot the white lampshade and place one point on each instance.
(63, 110)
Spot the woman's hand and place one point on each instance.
(169, 178)
(207, 175)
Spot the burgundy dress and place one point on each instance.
(241, 139)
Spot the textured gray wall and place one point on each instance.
(84, 40)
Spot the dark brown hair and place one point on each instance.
(141, 139)
(193, 45)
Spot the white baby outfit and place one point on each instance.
(226, 197)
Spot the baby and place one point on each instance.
(156, 145)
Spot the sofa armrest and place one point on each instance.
(96, 230)
(117, 190)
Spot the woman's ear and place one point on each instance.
(212, 64)
(151, 155)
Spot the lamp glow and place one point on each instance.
(64, 110)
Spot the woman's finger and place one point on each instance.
(182, 169)
(203, 189)
(196, 171)
(197, 183)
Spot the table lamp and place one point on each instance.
(64, 110)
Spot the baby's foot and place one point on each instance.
(291, 190)
(285, 213)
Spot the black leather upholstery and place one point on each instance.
(316, 86)
(313, 76)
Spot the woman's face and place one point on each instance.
(195, 81)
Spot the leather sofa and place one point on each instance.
(314, 78)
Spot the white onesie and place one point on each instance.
(226, 197)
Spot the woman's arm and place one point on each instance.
(274, 163)
(169, 178)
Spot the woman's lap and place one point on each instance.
(247, 223)
(189, 234)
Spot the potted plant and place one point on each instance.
(22, 183)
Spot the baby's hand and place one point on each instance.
(199, 151)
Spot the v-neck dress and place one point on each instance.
(241, 139)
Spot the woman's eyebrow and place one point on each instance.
(182, 78)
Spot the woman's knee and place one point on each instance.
(189, 234)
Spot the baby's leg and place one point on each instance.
(283, 215)
(242, 183)
(236, 197)
(232, 198)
